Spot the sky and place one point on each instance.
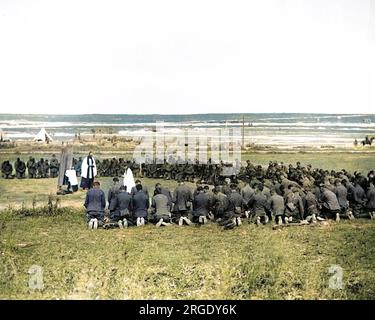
(181, 57)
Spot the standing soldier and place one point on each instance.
(77, 166)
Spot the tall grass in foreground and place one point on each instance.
(180, 262)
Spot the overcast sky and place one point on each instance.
(194, 56)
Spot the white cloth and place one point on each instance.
(85, 166)
(72, 177)
(129, 180)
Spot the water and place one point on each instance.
(275, 129)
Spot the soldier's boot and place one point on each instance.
(180, 222)
(313, 219)
(247, 214)
(258, 221)
(125, 223)
(350, 215)
(120, 224)
(238, 221)
(139, 223)
(91, 224)
(279, 220)
(202, 220)
(229, 226)
(143, 221)
(266, 219)
(337, 217)
(159, 224)
(188, 221)
(286, 220)
(95, 223)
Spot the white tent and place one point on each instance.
(43, 136)
(3, 136)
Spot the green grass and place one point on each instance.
(173, 263)
(16, 192)
(183, 263)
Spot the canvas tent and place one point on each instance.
(43, 136)
(3, 136)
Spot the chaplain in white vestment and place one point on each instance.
(88, 172)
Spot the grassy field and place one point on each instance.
(183, 263)
(173, 263)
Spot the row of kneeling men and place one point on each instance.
(228, 205)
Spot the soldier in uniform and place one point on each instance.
(168, 168)
(40, 167)
(238, 202)
(120, 206)
(20, 168)
(161, 208)
(113, 190)
(201, 206)
(45, 169)
(54, 167)
(259, 206)
(135, 167)
(182, 199)
(77, 166)
(7, 170)
(31, 167)
(189, 172)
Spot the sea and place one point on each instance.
(265, 129)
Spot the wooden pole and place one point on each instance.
(243, 132)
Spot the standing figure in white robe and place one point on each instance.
(129, 180)
(88, 172)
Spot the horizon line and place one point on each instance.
(179, 114)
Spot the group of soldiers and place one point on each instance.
(43, 168)
(169, 169)
(286, 195)
(173, 169)
(225, 193)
